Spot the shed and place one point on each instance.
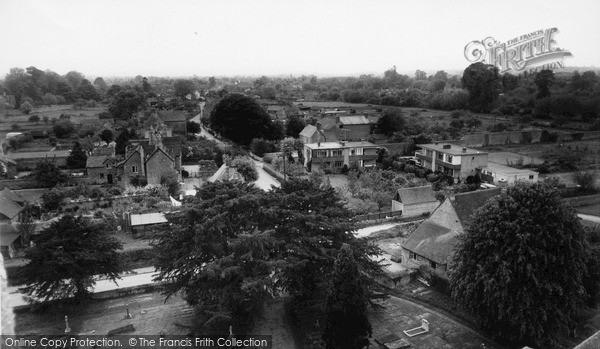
(414, 201)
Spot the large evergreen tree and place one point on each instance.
(77, 158)
(67, 256)
(234, 247)
(521, 264)
(241, 119)
(346, 322)
(47, 174)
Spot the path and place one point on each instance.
(590, 218)
(364, 232)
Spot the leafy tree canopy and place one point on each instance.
(47, 174)
(483, 83)
(241, 119)
(67, 256)
(77, 158)
(521, 264)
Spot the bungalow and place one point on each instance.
(432, 243)
(415, 201)
(500, 174)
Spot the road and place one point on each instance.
(590, 218)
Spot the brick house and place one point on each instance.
(334, 128)
(415, 201)
(432, 243)
(175, 119)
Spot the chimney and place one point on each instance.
(464, 150)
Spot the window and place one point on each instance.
(353, 151)
(337, 152)
(449, 158)
(440, 156)
(102, 176)
(134, 169)
(428, 153)
(338, 164)
(530, 176)
(413, 255)
(107, 166)
(432, 264)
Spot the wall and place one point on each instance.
(583, 200)
(471, 161)
(157, 166)
(499, 138)
(134, 160)
(419, 209)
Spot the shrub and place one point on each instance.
(585, 180)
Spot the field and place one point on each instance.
(16, 117)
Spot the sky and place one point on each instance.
(180, 38)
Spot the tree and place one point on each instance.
(420, 75)
(34, 118)
(483, 83)
(346, 322)
(441, 75)
(26, 107)
(122, 140)
(51, 200)
(172, 184)
(77, 158)
(520, 265)
(86, 91)
(106, 136)
(473, 123)
(235, 246)
(543, 80)
(16, 82)
(47, 174)
(241, 119)
(294, 126)
(246, 168)
(74, 78)
(126, 103)
(193, 127)
(67, 257)
(184, 87)
(260, 146)
(391, 121)
(586, 180)
(63, 129)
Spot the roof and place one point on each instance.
(308, 131)
(8, 207)
(453, 149)
(147, 218)
(497, 168)
(6, 159)
(225, 173)
(432, 241)
(171, 115)
(341, 145)
(40, 154)
(12, 195)
(152, 120)
(8, 235)
(354, 120)
(173, 145)
(466, 203)
(276, 107)
(95, 161)
(592, 342)
(415, 195)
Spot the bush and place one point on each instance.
(586, 180)
(260, 146)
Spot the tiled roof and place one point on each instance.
(13, 196)
(171, 115)
(173, 145)
(432, 241)
(8, 207)
(95, 161)
(466, 204)
(415, 195)
(308, 131)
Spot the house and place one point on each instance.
(503, 175)
(310, 134)
(175, 119)
(226, 172)
(432, 243)
(451, 159)
(334, 155)
(354, 128)
(153, 159)
(415, 201)
(11, 205)
(8, 167)
(101, 169)
(11, 208)
(277, 112)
